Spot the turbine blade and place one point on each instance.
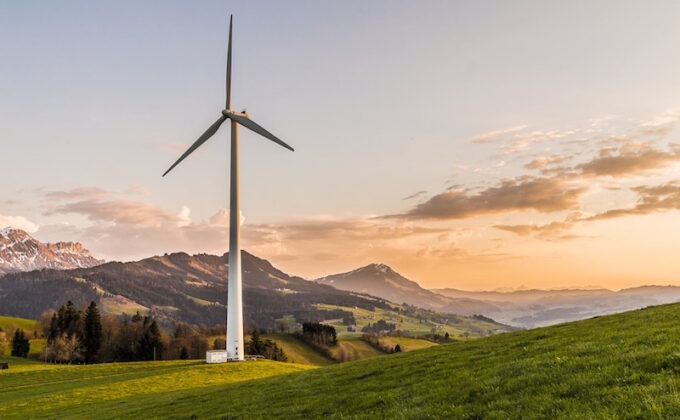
(253, 126)
(228, 105)
(204, 137)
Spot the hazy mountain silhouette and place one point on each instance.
(382, 281)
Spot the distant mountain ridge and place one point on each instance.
(533, 308)
(19, 251)
(382, 281)
(522, 308)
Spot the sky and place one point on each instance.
(471, 144)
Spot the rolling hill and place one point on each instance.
(618, 366)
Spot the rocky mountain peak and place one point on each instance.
(19, 251)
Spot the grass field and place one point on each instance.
(28, 325)
(297, 351)
(619, 366)
(354, 349)
(32, 389)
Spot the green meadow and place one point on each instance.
(619, 366)
(7, 322)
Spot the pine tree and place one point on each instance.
(92, 334)
(184, 354)
(255, 346)
(151, 343)
(397, 348)
(20, 344)
(68, 320)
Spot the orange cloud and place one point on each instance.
(536, 194)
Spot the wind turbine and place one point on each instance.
(235, 302)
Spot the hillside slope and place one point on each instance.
(623, 365)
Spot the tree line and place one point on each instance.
(76, 335)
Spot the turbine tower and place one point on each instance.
(235, 303)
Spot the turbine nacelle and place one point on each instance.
(228, 113)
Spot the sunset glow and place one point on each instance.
(475, 162)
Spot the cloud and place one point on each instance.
(120, 212)
(417, 194)
(630, 159)
(348, 229)
(18, 222)
(650, 200)
(77, 193)
(543, 161)
(130, 229)
(661, 124)
(184, 216)
(127, 229)
(550, 231)
(537, 194)
(493, 135)
(522, 141)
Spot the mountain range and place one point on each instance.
(523, 308)
(193, 289)
(535, 308)
(19, 251)
(382, 281)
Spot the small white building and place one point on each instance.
(216, 356)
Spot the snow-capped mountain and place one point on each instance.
(19, 251)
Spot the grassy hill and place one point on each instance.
(622, 366)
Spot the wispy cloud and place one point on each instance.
(76, 193)
(542, 162)
(556, 230)
(415, 195)
(521, 141)
(490, 136)
(651, 199)
(661, 124)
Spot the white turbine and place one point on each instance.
(235, 303)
